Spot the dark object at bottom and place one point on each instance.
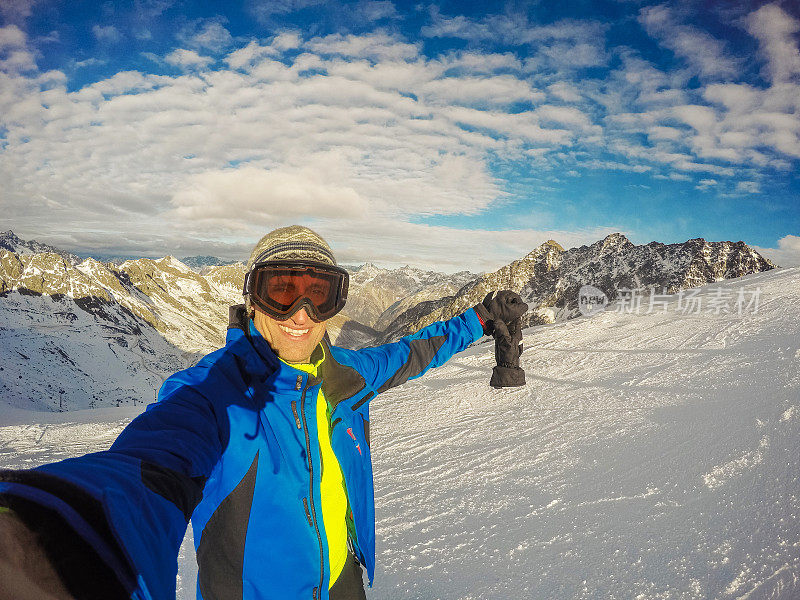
(507, 377)
(349, 585)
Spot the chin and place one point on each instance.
(296, 355)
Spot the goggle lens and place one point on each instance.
(278, 290)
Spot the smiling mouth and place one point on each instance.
(296, 333)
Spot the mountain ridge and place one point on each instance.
(549, 278)
(130, 312)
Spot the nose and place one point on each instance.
(301, 317)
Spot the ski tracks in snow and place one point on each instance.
(650, 457)
(654, 457)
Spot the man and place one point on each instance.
(264, 444)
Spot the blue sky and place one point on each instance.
(450, 135)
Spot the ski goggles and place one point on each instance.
(281, 289)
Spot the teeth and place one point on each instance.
(294, 332)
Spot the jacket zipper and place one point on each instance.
(296, 416)
(317, 591)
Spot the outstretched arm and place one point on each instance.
(111, 523)
(390, 365)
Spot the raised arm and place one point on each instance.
(390, 365)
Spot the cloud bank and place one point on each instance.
(366, 135)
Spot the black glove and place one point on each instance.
(507, 306)
(508, 343)
(501, 316)
(507, 348)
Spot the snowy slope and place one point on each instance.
(650, 456)
(53, 355)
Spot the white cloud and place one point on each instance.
(206, 34)
(286, 40)
(704, 53)
(14, 54)
(150, 9)
(106, 33)
(787, 254)
(565, 91)
(673, 177)
(457, 27)
(569, 55)
(187, 59)
(397, 243)
(11, 36)
(376, 10)
(524, 126)
(499, 90)
(89, 62)
(660, 132)
(700, 118)
(364, 133)
(705, 184)
(376, 46)
(16, 11)
(564, 115)
(18, 61)
(249, 54)
(472, 62)
(263, 197)
(608, 165)
(748, 187)
(775, 31)
(735, 97)
(565, 44)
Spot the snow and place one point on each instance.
(52, 354)
(650, 456)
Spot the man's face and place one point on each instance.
(291, 348)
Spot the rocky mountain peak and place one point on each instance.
(8, 237)
(174, 263)
(554, 244)
(198, 263)
(615, 242)
(9, 241)
(549, 280)
(550, 248)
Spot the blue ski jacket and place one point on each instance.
(232, 444)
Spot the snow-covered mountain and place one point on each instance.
(102, 334)
(188, 309)
(377, 295)
(198, 263)
(150, 306)
(651, 455)
(10, 242)
(550, 278)
(141, 319)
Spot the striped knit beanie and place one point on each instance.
(290, 244)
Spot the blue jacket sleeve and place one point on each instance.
(129, 504)
(390, 365)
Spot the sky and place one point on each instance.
(447, 135)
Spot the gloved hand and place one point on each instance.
(508, 343)
(501, 316)
(507, 348)
(507, 306)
